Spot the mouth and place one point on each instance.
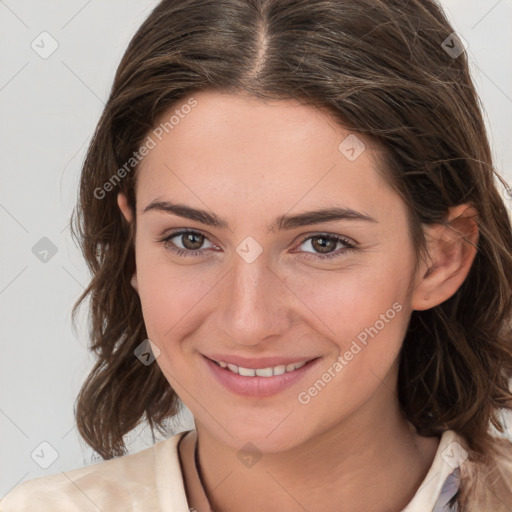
(268, 371)
(258, 378)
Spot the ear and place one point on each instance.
(122, 202)
(451, 249)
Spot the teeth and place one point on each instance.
(261, 372)
(246, 372)
(264, 372)
(279, 370)
(233, 368)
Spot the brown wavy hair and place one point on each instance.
(382, 69)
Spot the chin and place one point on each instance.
(267, 435)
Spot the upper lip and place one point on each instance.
(258, 362)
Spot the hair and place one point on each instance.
(381, 69)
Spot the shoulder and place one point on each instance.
(125, 483)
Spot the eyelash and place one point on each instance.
(349, 246)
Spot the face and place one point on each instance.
(259, 283)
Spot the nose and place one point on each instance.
(255, 302)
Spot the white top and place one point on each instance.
(151, 481)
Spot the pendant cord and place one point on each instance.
(199, 474)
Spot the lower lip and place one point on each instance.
(258, 387)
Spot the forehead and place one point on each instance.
(273, 154)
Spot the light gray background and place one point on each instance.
(48, 110)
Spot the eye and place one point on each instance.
(325, 244)
(190, 242)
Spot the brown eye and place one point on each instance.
(192, 241)
(186, 243)
(324, 245)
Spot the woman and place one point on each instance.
(293, 224)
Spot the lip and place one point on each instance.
(257, 387)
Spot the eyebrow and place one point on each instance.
(283, 222)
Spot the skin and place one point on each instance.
(250, 161)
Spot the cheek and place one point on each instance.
(170, 299)
(173, 298)
(366, 325)
(350, 302)
(364, 313)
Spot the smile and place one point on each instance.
(261, 372)
(266, 377)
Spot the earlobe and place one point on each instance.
(134, 283)
(122, 202)
(452, 248)
(128, 215)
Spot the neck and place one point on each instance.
(381, 452)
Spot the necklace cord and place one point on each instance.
(200, 475)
